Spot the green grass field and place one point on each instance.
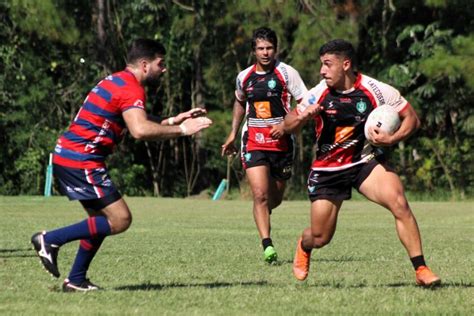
(186, 256)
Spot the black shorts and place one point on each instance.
(279, 162)
(92, 187)
(337, 185)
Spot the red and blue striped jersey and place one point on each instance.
(99, 125)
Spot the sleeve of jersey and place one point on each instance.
(392, 97)
(131, 99)
(311, 97)
(296, 85)
(239, 91)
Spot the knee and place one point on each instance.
(119, 224)
(260, 197)
(320, 240)
(399, 207)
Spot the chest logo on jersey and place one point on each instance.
(249, 87)
(361, 106)
(272, 83)
(262, 109)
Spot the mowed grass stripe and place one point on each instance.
(189, 256)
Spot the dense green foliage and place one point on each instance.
(215, 266)
(52, 52)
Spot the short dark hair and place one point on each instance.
(266, 34)
(339, 47)
(144, 48)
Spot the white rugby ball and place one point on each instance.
(383, 117)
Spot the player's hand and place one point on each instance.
(196, 112)
(310, 112)
(193, 125)
(276, 131)
(379, 137)
(228, 148)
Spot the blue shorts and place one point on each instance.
(84, 184)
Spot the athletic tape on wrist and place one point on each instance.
(184, 130)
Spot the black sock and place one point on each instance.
(266, 242)
(418, 261)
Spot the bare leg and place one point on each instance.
(277, 189)
(259, 180)
(391, 196)
(323, 224)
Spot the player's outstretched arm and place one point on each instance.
(142, 128)
(238, 113)
(181, 117)
(294, 121)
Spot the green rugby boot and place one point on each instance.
(270, 255)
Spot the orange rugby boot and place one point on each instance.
(301, 262)
(426, 278)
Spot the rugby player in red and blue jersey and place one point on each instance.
(340, 105)
(115, 104)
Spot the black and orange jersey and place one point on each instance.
(341, 142)
(268, 100)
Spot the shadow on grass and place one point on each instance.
(159, 287)
(394, 285)
(340, 259)
(17, 253)
(441, 286)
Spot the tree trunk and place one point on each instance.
(446, 170)
(154, 170)
(101, 34)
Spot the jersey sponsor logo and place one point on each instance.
(76, 189)
(377, 92)
(91, 147)
(272, 83)
(341, 140)
(138, 103)
(331, 111)
(259, 138)
(106, 182)
(262, 109)
(249, 86)
(345, 100)
(285, 73)
(272, 94)
(343, 133)
(361, 106)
